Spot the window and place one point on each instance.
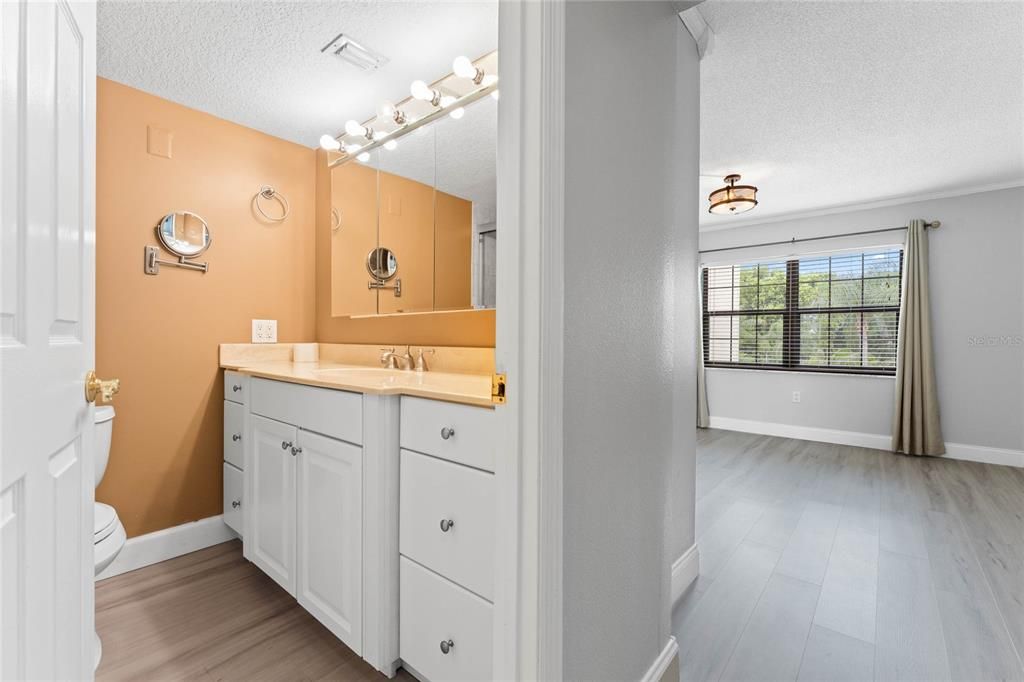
(835, 313)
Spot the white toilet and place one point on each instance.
(108, 533)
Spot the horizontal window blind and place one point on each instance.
(820, 313)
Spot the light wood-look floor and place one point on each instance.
(211, 615)
(828, 562)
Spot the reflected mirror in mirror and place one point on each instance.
(184, 234)
(381, 263)
(466, 208)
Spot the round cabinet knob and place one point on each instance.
(296, 451)
(447, 432)
(285, 445)
(236, 437)
(236, 388)
(447, 645)
(236, 503)
(446, 525)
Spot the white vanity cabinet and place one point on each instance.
(304, 481)
(236, 390)
(446, 539)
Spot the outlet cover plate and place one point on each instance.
(264, 331)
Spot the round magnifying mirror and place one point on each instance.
(381, 263)
(184, 234)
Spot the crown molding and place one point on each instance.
(866, 205)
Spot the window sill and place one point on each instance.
(802, 373)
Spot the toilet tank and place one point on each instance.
(104, 430)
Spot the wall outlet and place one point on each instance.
(264, 331)
(796, 394)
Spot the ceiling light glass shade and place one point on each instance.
(732, 198)
(463, 68)
(329, 143)
(421, 91)
(353, 128)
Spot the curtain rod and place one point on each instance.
(934, 224)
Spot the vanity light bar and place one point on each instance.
(486, 84)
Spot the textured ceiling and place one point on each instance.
(259, 63)
(824, 104)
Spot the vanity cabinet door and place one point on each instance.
(270, 522)
(330, 506)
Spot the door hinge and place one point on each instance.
(498, 389)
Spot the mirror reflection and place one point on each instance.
(184, 234)
(428, 200)
(381, 263)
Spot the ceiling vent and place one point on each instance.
(354, 53)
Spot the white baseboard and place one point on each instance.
(168, 543)
(987, 455)
(684, 572)
(971, 453)
(661, 664)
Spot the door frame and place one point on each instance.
(529, 341)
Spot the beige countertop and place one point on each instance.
(469, 389)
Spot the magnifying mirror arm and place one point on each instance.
(379, 284)
(152, 262)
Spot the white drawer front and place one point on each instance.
(434, 610)
(236, 387)
(434, 492)
(234, 421)
(460, 433)
(338, 414)
(233, 499)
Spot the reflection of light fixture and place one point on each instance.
(732, 198)
(364, 157)
(457, 113)
(390, 145)
(329, 143)
(354, 129)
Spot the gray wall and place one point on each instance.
(620, 217)
(977, 290)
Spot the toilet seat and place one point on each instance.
(104, 522)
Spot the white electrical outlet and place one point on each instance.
(264, 331)
(796, 396)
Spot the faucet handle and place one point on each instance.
(421, 362)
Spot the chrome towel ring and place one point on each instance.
(268, 192)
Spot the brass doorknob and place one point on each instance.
(98, 388)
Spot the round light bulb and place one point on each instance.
(457, 113)
(447, 101)
(390, 145)
(463, 68)
(353, 128)
(422, 91)
(364, 157)
(329, 143)
(495, 95)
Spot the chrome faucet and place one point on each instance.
(392, 360)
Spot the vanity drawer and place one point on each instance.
(460, 433)
(234, 417)
(236, 387)
(233, 516)
(433, 491)
(326, 411)
(434, 610)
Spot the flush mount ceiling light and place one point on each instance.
(732, 198)
(359, 56)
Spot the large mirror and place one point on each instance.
(427, 203)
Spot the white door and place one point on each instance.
(270, 523)
(330, 502)
(47, 316)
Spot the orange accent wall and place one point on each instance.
(453, 328)
(160, 334)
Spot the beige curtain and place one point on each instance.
(916, 429)
(703, 415)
